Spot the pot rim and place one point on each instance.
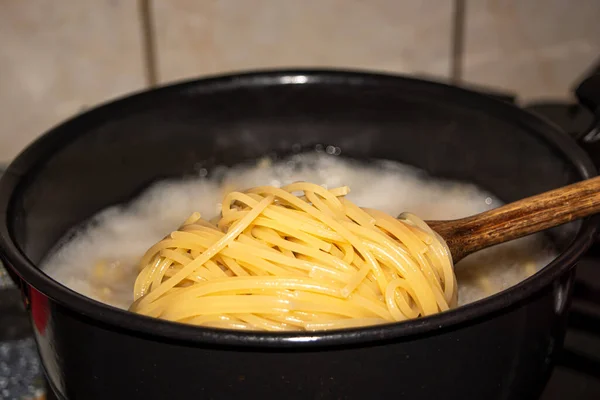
(117, 319)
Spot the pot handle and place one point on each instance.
(588, 93)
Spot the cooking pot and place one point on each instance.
(501, 347)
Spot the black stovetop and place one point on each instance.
(576, 376)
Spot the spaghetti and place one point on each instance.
(299, 257)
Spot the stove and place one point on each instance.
(577, 372)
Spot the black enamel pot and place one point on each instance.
(501, 347)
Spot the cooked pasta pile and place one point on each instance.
(299, 257)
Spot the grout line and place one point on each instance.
(148, 42)
(458, 41)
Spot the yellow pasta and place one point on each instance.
(299, 257)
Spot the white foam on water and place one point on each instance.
(122, 234)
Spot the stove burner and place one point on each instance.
(577, 374)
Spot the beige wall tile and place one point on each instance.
(59, 56)
(207, 36)
(537, 48)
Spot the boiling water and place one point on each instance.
(100, 261)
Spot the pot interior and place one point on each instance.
(108, 155)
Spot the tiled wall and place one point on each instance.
(537, 48)
(199, 37)
(59, 56)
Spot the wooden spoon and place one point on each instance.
(521, 218)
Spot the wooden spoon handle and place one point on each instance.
(521, 218)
